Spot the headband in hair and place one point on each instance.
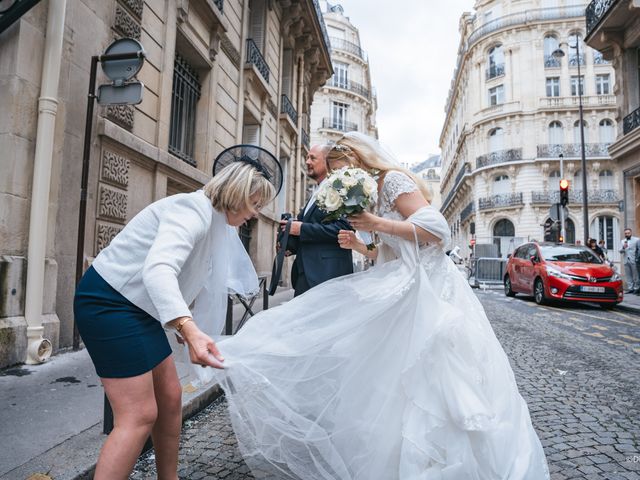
(259, 158)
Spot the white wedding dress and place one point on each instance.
(389, 374)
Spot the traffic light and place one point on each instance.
(564, 192)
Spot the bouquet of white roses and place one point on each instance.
(345, 192)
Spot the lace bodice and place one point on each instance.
(394, 184)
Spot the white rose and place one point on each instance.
(349, 181)
(369, 186)
(332, 201)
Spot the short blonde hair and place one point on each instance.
(233, 186)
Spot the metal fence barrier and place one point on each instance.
(490, 270)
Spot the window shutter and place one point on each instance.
(256, 23)
(251, 135)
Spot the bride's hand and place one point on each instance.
(348, 240)
(364, 222)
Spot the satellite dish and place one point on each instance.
(119, 71)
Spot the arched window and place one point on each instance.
(569, 231)
(504, 228)
(496, 140)
(556, 135)
(501, 185)
(606, 180)
(574, 39)
(576, 132)
(550, 45)
(606, 131)
(554, 175)
(495, 67)
(577, 180)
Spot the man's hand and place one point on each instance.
(202, 349)
(295, 227)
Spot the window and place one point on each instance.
(496, 140)
(606, 180)
(576, 132)
(606, 131)
(556, 135)
(496, 95)
(341, 75)
(550, 45)
(287, 72)
(553, 86)
(575, 81)
(606, 228)
(257, 23)
(598, 58)
(504, 228)
(495, 67)
(339, 115)
(501, 185)
(602, 85)
(184, 99)
(554, 177)
(576, 39)
(251, 135)
(577, 180)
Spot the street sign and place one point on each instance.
(119, 71)
(554, 212)
(127, 94)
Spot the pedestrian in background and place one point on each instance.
(593, 245)
(629, 251)
(180, 250)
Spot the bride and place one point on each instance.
(389, 374)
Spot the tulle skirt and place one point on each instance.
(392, 373)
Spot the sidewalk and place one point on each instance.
(51, 420)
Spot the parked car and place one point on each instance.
(551, 271)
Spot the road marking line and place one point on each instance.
(594, 334)
(594, 316)
(629, 317)
(598, 327)
(629, 337)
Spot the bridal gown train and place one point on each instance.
(389, 374)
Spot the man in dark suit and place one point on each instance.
(315, 244)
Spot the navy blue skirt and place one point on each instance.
(122, 339)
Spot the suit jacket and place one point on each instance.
(318, 255)
(630, 254)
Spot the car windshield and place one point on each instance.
(566, 253)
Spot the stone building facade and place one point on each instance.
(217, 73)
(429, 171)
(612, 29)
(512, 114)
(347, 102)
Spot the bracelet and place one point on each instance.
(181, 323)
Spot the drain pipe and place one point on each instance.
(39, 348)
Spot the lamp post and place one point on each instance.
(558, 54)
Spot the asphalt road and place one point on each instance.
(576, 366)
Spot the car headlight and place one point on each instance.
(552, 272)
(615, 277)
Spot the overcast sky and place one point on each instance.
(412, 52)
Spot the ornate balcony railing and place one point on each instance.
(573, 150)
(502, 156)
(346, 46)
(598, 59)
(501, 201)
(631, 121)
(467, 211)
(219, 4)
(574, 101)
(287, 107)
(597, 197)
(337, 124)
(456, 183)
(254, 57)
(596, 11)
(551, 62)
(354, 87)
(495, 71)
(305, 138)
(573, 60)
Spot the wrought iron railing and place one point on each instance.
(598, 59)
(502, 156)
(305, 138)
(574, 58)
(184, 98)
(287, 107)
(456, 183)
(495, 71)
(347, 46)
(219, 4)
(467, 211)
(354, 87)
(631, 121)
(573, 150)
(551, 62)
(600, 196)
(501, 201)
(254, 57)
(596, 11)
(338, 124)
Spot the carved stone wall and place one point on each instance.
(232, 52)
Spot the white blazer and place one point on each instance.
(161, 260)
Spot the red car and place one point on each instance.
(550, 271)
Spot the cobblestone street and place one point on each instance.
(576, 366)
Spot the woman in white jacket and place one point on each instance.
(175, 252)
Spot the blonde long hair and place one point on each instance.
(365, 152)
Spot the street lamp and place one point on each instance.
(558, 54)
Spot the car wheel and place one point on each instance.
(538, 292)
(507, 287)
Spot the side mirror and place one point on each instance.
(508, 256)
(533, 259)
